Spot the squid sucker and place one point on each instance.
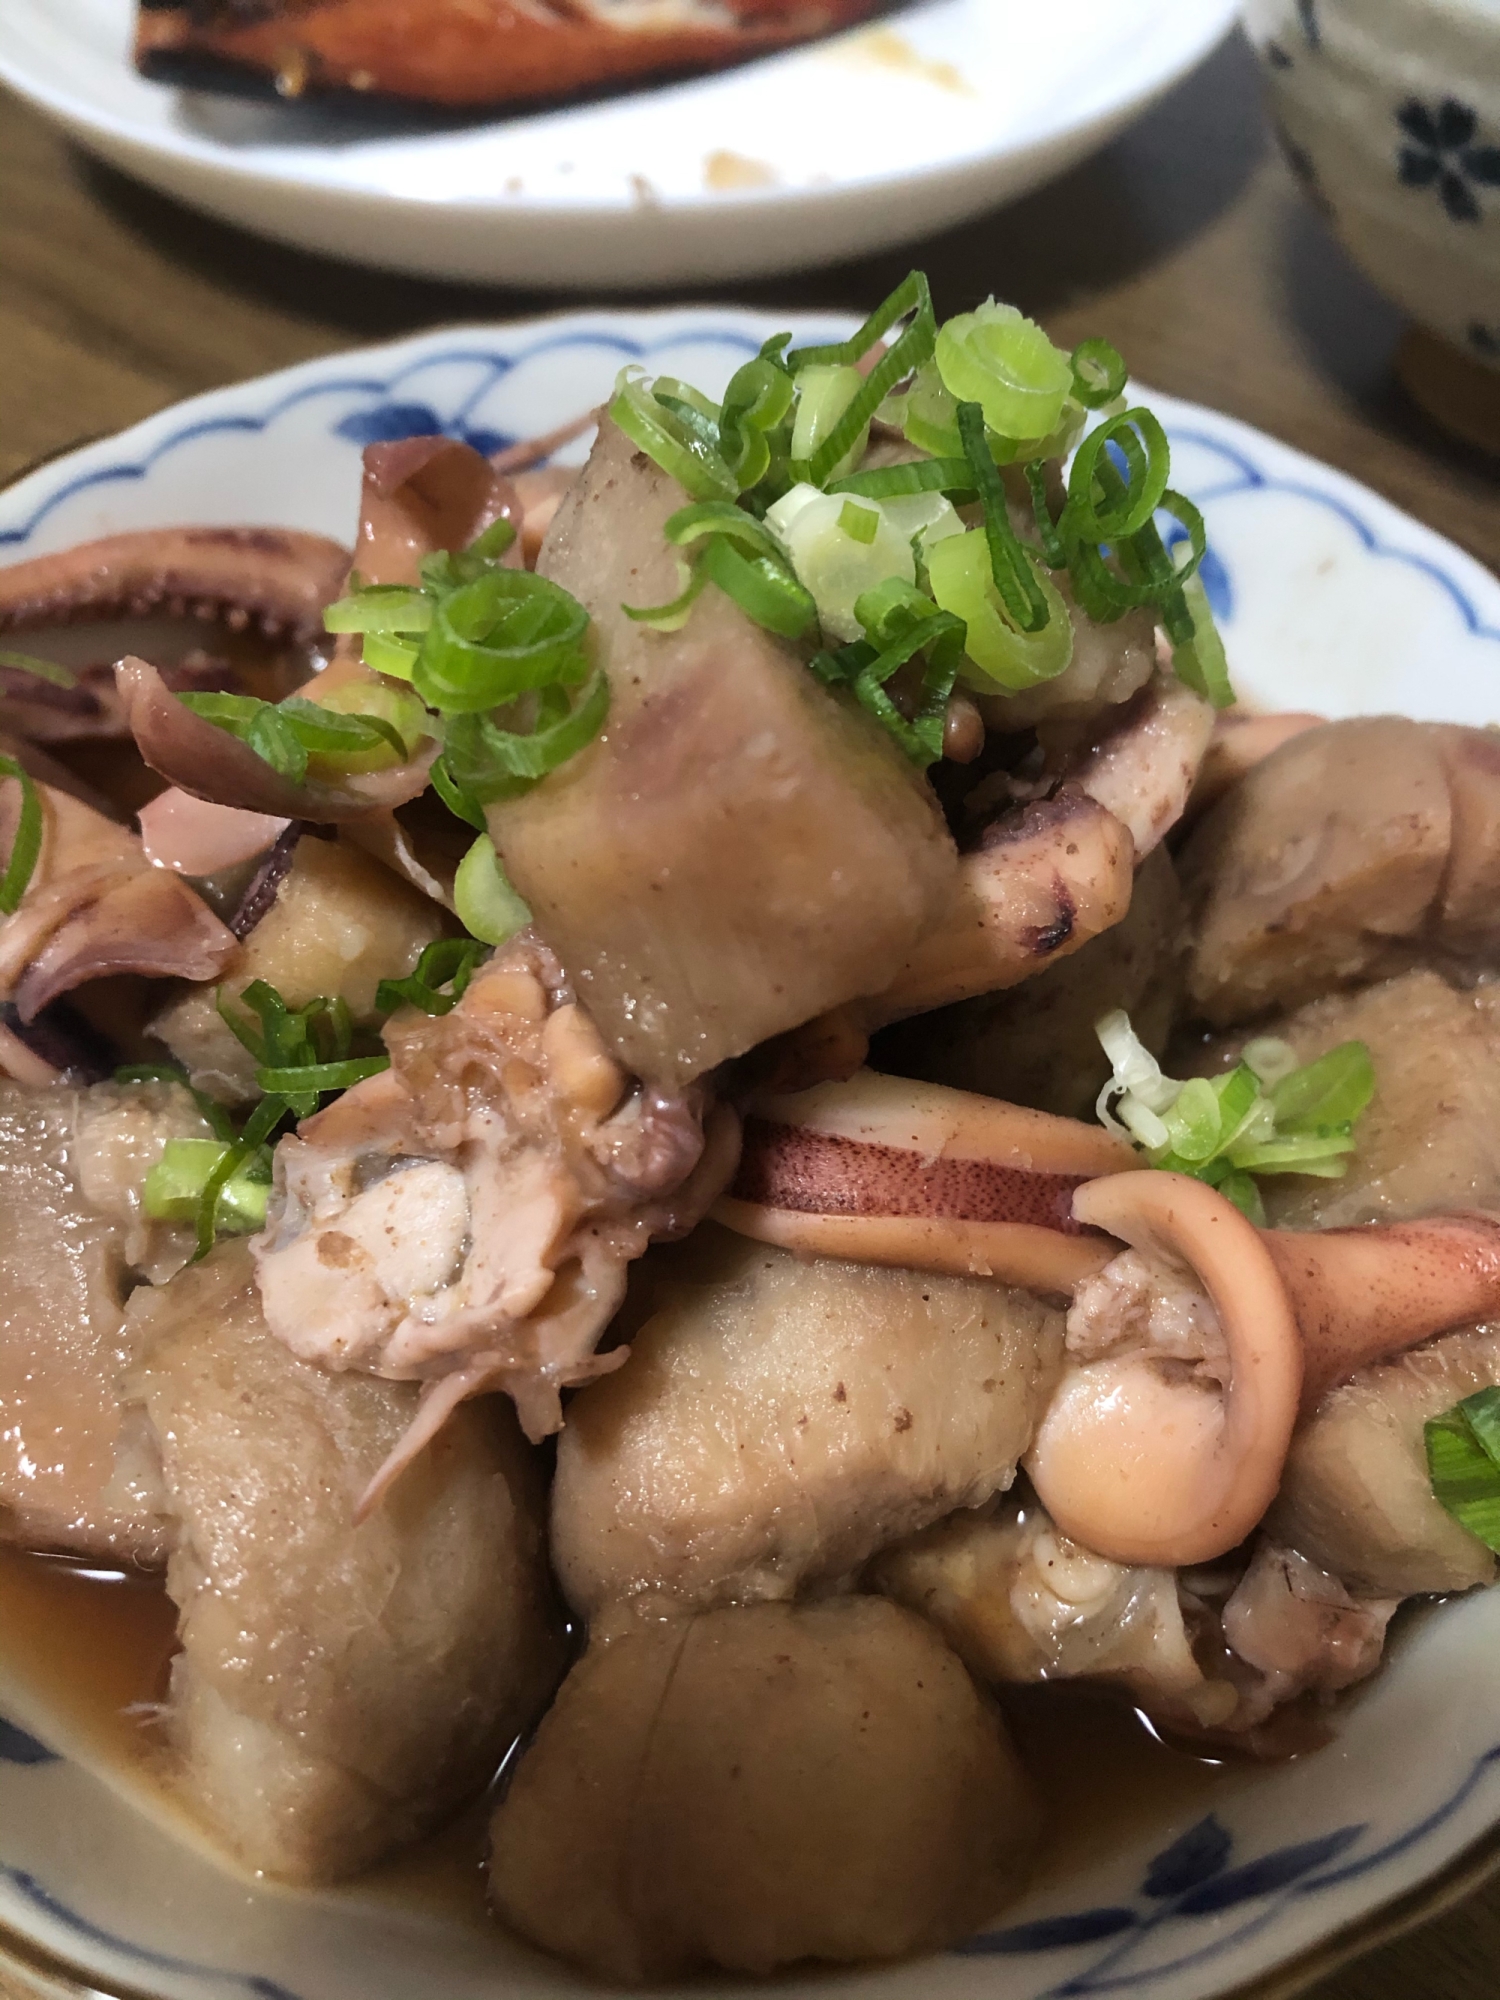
(272, 578)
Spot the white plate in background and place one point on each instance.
(875, 136)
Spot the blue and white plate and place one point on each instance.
(1330, 600)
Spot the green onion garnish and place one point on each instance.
(175, 1186)
(753, 432)
(762, 586)
(913, 347)
(858, 523)
(1016, 581)
(222, 1184)
(485, 762)
(42, 670)
(497, 638)
(671, 438)
(1002, 658)
(1099, 373)
(449, 962)
(924, 475)
(259, 1126)
(26, 846)
(456, 797)
(299, 1052)
(997, 358)
(1268, 1115)
(744, 558)
(900, 622)
(288, 734)
(488, 907)
(1463, 1462)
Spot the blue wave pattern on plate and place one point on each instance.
(16, 1747)
(46, 1904)
(1242, 475)
(1192, 1879)
(390, 407)
(387, 415)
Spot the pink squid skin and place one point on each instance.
(885, 1171)
(422, 494)
(275, 578)
(96, 907)
(1150, 1465)
(1359, 1295)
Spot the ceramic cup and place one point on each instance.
(1389, 114)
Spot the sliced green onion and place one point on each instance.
(763, 588)
(449, 962)
(487, 762)
(1244, 1192)
(43, 670)
(1054, 549)
(285, 734)
(26, 845)
(1334, 1090)
(833, 568)
(1223, 1129)
(906, 353)
(1027, 606)
(301, 1079)
(488, 907)
(393, 617)
(927, 413)
(174, 1188)
(1099, 373)
(459, 801)
(1106, 507)
(380, 607)
(718, 517)
(923, 475)
(343, 739)
(1270, 1058)
(899, 622)
(824, 395)
(501, 636)
(1200, 662)
(1004, 658)
(261, 1123)
(1463, 1463)
(670, 439)
(860, 524)
(997, 358)
(303, 1040)
(756, 403)
(673, 615)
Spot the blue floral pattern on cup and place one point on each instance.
(1440, 151)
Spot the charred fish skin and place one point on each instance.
(452, 52)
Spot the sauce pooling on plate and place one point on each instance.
(92, 1645)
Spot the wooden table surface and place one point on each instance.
(1185, 242)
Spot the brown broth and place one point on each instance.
(98, 1640)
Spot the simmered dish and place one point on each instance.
(695, 1118)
